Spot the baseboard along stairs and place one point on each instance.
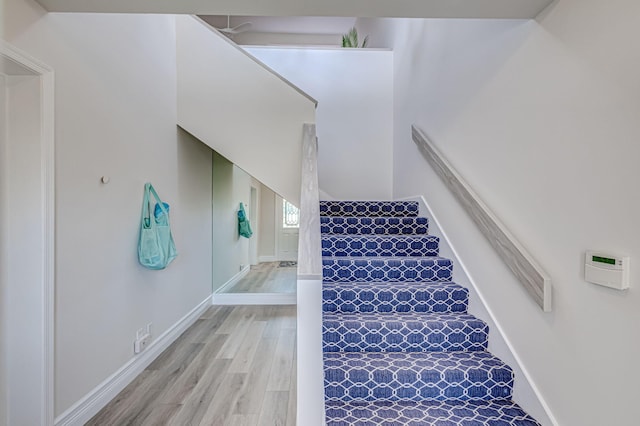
(399, 347)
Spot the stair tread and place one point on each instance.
(370, 207)
(405, 237)
(401, 316)
(416, 376)
(391, 258)
(393, 285)
(499, 412)
(349, 268)
(380, 245)
(379, 219)
(399, 331)
(383, 225)
(394, 297)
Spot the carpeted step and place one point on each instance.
(374, 225)
(403, 332)
(394, 297)
(415, 376)
(387, 245)
(385, 269)
(369, 208)
(501, 412)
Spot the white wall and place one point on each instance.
(267, 228)
(541, 117)
(116, 116)
(216, 80)
(231, 186)
(4, 304)
(354, 89)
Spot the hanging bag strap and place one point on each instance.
(146, 211)
(155, 194)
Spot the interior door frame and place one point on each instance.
(281, 230)
(15, 62)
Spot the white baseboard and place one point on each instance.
(87, 407)
(254, 299)
(234, 279)
(263, 259)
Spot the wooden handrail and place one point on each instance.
(530, 274)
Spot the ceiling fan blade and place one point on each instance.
(237, 28)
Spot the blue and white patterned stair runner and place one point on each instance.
(399, 346)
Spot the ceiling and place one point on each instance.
(346, 8)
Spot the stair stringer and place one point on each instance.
(525, 392)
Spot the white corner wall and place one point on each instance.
(240, 108)
(354, 119)
(115, 116)
(541, 117)
(231, 186)
(267, 229)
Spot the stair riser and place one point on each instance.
(392, 299)
(369, 208)
(346, 270)
(374, 226)
(411, 380)
(396, 336)
(333, 245)
(454, 413)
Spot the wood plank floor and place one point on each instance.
(235, 366)
(267, 277)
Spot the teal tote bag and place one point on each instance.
(156, 248)
(244, 228)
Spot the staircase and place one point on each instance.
(399, 347)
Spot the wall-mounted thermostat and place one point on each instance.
(607, 269)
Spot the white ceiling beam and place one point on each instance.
(507, 9)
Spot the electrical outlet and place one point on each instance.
(140, 344)
(143, 337)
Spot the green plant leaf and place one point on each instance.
(350, 39)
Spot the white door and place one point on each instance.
(288, 225)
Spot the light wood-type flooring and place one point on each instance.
(268, 277)
(235, 366)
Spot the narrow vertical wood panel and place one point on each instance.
(309, 245)
(530, 274)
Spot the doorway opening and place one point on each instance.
(26, 239)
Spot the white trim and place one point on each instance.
(310, 398)
(254, 299)
(234, 279)
(47, 186)
(87, 407)
(48, 202)
(493, 317)
(262, 259)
